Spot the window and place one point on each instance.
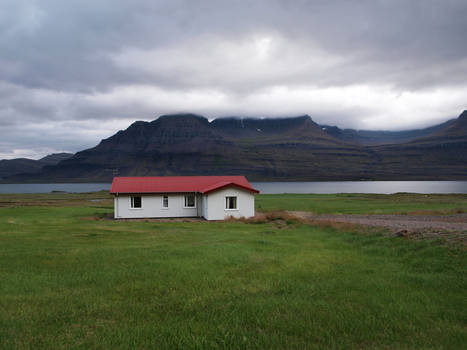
(190, 201)
(230, 202)
(136, 202)
(165, 201)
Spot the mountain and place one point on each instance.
(456, 131)
(262, 130)
(375, 137)
(443, 152)
(9, 167)
(283, 149)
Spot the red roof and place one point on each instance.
(177, 184)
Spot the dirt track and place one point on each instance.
(457, 222)
(452, 227)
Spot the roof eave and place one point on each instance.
(249, 189)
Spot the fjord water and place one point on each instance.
(47, 188)
(385, 187)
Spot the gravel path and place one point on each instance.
(451, 227)
(456, 222)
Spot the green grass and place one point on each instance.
(70, 281)
(400, 203)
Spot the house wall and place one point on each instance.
(214, 204)
(200, 205)
(152, 207)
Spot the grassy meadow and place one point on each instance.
(72, 278)
(350, 203)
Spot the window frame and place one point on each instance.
(132, 202)
(164, 197)
(185, 201)
(236, 203)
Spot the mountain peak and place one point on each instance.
(461, 122)
(137, 125)
(181, 118)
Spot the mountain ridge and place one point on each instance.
(287, 149)
(9, 167)
(380, 137)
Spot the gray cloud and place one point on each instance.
(373, 64)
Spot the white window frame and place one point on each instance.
(236, 203)
(185, 201)
(163, 199)
(132, 203)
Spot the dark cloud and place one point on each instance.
(68, 45)
(377, 64)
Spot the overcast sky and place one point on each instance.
(74, 72)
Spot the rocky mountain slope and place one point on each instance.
(283, 149)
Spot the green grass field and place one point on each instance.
(69, 279)
(399, 203)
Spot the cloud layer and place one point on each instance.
(74, 72)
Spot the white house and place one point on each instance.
(211, 197)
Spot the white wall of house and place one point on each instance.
(152, 207)
(200, 205)
(211, 206)
(215, 204)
